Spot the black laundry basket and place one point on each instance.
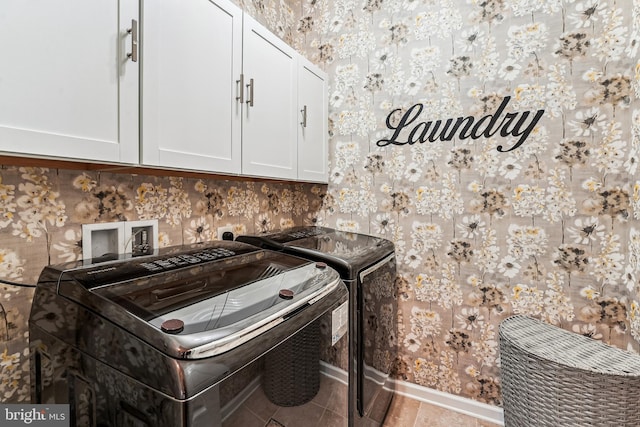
(292, 370)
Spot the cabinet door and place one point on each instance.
(67, 87)
(312, 130)
(269, 133)
(192, 59)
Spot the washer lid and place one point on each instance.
(203, 308)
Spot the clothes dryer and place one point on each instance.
(367, 265)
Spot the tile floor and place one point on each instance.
(329, 409)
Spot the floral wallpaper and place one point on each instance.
(42, 210)
(549, 229)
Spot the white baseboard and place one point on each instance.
(463, 405)
(333, 372)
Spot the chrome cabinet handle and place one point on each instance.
(304, 116)
(134, 41)
(240, 89)
(250, 86)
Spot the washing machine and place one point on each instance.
(147, 341)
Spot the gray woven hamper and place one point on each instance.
(292, 370)
(555, 378)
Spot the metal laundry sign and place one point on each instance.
(517, 124)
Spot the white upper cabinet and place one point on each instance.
(269, 122)
(178, 84)
(192, 52)
(313, 151)
(67, 87)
